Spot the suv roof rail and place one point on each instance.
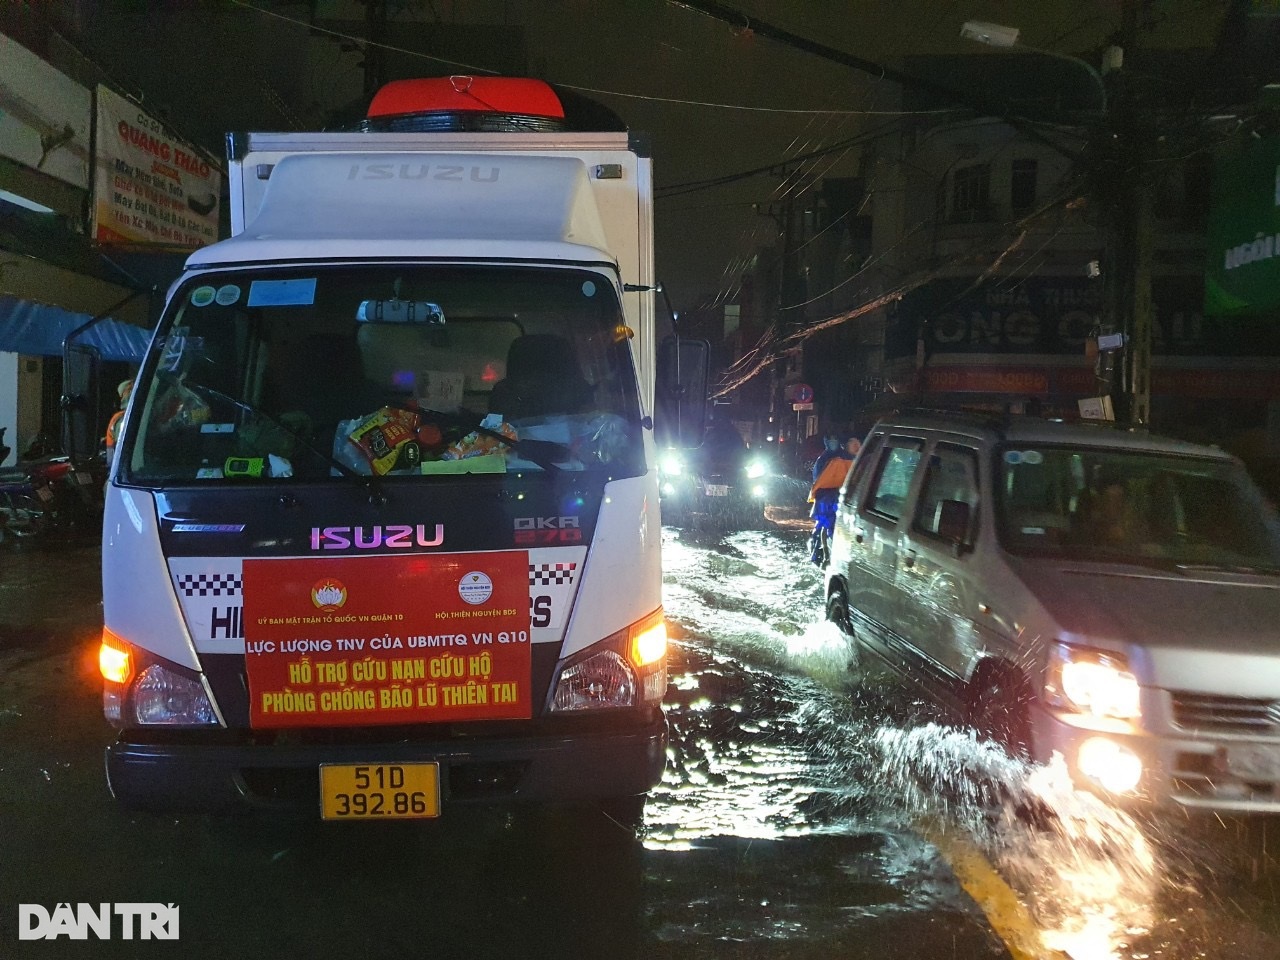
(984, 417)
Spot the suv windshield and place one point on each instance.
(406, 370)
(1086, 502)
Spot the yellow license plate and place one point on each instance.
(379, 791)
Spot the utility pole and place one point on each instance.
(375, 60)
(1122, 182)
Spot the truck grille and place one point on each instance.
(1205, 711)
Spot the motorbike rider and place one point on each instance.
(829, 472)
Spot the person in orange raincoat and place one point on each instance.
(117, 420)
(829, 472)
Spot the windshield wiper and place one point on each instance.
(376, 494)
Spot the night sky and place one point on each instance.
(208, 67)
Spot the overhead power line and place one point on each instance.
(475, 68)
(690, 186)
(978, 102)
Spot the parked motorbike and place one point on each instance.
(21, 514)
(52, 498)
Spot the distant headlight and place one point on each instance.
(756, 469)
(1092, 681)
(671, 464)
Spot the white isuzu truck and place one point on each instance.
(382, 534)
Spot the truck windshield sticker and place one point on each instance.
(176, 347)
(360, 641)
(227, 295)
(202, 296)
(282, 293)
(1031, 457)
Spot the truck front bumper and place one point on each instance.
(564, 759)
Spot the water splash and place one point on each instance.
(1085, 868)
(833, 746)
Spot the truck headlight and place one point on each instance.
(671, 464)
(156, 693)
(1092, 681)
(164, 696)
(626, 669)
(756, 469)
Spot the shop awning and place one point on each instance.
(38, 330)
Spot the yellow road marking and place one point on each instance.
(1008, 916)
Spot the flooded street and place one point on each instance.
(810, 808)
(833, 749)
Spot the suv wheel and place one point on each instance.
(999, 710)
(838, 613)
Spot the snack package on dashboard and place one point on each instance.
(477, 444)
(181, 407)
(380, 436)
(430, 437)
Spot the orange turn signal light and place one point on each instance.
(114, 661)
(649, 639)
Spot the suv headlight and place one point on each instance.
(756, 469)
(671, 464)
(626, 669)
(1092, 681)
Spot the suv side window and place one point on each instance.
(887, 496)
(853, 483)
(951, 474)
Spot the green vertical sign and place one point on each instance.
(1242, 276)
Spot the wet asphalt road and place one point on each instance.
(809, 810)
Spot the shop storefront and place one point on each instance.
(66, 149)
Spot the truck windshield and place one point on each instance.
(1089, 502)
(400, 371)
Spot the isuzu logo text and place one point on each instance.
(421, 171)
(396, 536)
(135, 921)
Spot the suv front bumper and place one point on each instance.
(1194, 773)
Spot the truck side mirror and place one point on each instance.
(681, 396)
(953, 522)
(79, 402)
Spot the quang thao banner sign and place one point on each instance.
(149, 187)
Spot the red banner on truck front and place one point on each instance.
(359, 641)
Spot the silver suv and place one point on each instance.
(1086, 590)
